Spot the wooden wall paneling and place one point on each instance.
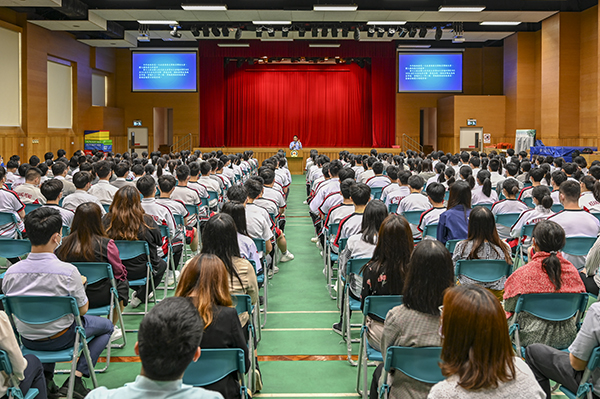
(538, 82)
(492, 69)
(408, 107)
(445, 120)
(569, 78)
(588, 76)
(473, 71)
(550, 79)
(511, 78)
(490, 112)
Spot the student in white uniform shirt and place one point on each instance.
(121, 172)
(210, 184)
(439, 171)
(495, 173)
(247, 246)
(52, 191)
(29, 192)
(20, 178)
(542, 211)
(482, 193)
(435, 194)
(360, 194)
(345, 208)
(271, 200)
(558, 177)
(83, 182)
(11, 171)
(336, 198)
(415, 201)
(332, 185)
(103, 190)
(59, 170)
(10, 203)
(188, 195)
(403, 190)
(510, 189)
(570, 169)
(378, 180)
(392, 173)
(368, 173)
(574, 220)
(512, 169)
(590, 191)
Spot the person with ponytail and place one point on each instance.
(535, 177)
(482, 193)
(439, 174)
(546, 272)
(447, 178)
(542, 211)
(510, 189)
(466, 174)
(590, 192)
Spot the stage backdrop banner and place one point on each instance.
(325, 105)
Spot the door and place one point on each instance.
(138, 139)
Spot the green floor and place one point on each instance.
(299, 323)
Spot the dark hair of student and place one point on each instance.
(460, 194)
(511, 187)
(428, 274)
(426, 166)
(41, 224)
(595, 171)
(375, 214)
(360, 193)
(86, 228)
(558, 177)
(588, 181)
(219, 237)
(126, 215)
(475, 345)
(542, 195)
(51, 189)
(466, 173)
(416, 182)
(238, 212)
(168, 338)
(146, 185)
(571, 190)
(436, 192)
(447, 176)
(166, 183)
(81, 179)
(392, 172)
(346, 173)
(237, 193)
(483, 178)
(482, 229)
(439, 168)
(549, 237)
(596, 191)
(393, 250)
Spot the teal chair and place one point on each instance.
(586, 387)
(180, 225)
(8, 185)
(578, 246)
(193, 212)
(526, 231)
(413, 217)
(488, 206)
(507, 219)
(557, 208)
(7, 218)
(36, 310)
(133, 249)
(213, 195)
(597, 214)
(330, 257)
(392, 208)
(430, 231)
(376, 192)
(14, 248)
(66, 230)
(551, 307)
(261, 246)
(447, 195)
(378, 305)
(13, 391)
(96, 272)
(421, 364)
(214, 365)
(482, 270)
(351, 305)
(171, 266)
(243, 304)
(527, 184)
(340, 280)
(106, 207)
(529, 202)
(31, 207)
(451, 244)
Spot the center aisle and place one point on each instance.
(300, 356)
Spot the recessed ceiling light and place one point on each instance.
(233, 44)
(501, 23)
(272, 22)
(157, 22)
(324, 45)
(204, 7)
(461, 8)
(386, 22)
(333, 7)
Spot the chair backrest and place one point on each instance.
(132, 249)
(488, 206)
(483, 270)
(214, 365)
(192, 209)
(553, 306)
(557, 208)
(354, 265)
(39, 309)
(527, 184)
(380, 305)
(94, 271)
(392, 208)
(213, 195)
(179, 219)
(578, 246)
(204, 201)
(421, 364)
(333, 229)
(164, 231)
(413, 217)
(342, 244)
(430, 230)
(507, 219)
(243, 303)
(261, 245)
(13, 391)
(14, 248)
(597, 214)
(5, 364)
(451, 244)
(106, 207)
(376, 192)
(66, 230)
(31, 207)
(7, 217)
(529, 202)
(446, 195)
(527, 230)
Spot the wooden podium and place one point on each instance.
(296, 164)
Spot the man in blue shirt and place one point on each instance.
(296, 144)
(168, 341)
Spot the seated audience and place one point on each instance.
(453, 223)
(103, 190)
(360, 194)
(542, 211)
(88, 243)
(415, 201)
(247, 246)
(83, 182)
(127, 221)
(416, 323)
(10, 203)
(477, 357)
(546, 272)
(121, 172)
(168, 341)
(435, 194)
(483, 243)
(385, 273)
(205, 281)
(43, 274)
(482, 192)
(52, 190)
(59, 170)
(29, 192)
(510, 189)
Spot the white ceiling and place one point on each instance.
(30, 3)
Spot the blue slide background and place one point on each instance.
(448, 62)
(160, 66)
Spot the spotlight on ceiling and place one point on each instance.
(225, 31)
(238, 33)
(356, 34)
(215, 31)
(285, 31)
(371, 31)
(438, 33)
(314, 31)
(380, 32)
(391, 32)
(259, 30)
(413, 32)
(205, 31)
(345, 32)
(240, 62)
(324, 32)
(301, 31)
(195, 31)
(422, 32)
(271, 31)
(403, 32)
(334, 32)
(175, 32)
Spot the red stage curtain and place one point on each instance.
(324, 105)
